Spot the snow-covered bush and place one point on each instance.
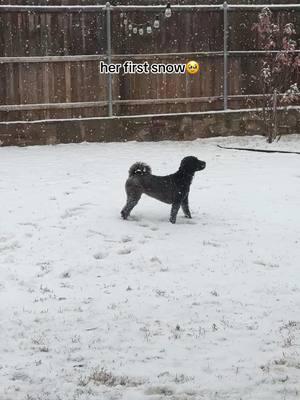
(277, 73)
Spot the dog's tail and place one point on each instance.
(139, 168)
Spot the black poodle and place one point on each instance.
(171, 189)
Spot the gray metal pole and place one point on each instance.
(108, 39)
(225, 73)
(275, 112)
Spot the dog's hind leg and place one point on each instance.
(174, 211)
(185, 207)
(132, 200)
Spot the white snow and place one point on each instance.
(94, 307)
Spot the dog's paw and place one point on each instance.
(188, 216)
(124, 215)
(172, 220)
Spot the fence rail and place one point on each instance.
(95, 8)
(47, 106)
(142, 56)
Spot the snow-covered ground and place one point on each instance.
(94, 307)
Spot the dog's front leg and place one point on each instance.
(174, 211)
(185, 207)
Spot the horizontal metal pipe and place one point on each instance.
(97, 8)
(104, 103)
(237, 52)
(45, 59)
(98, 57)
(260, 6)
(142, 116)
(77, 8)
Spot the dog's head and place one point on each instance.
(191, 164)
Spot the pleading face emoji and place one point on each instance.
(192, 67)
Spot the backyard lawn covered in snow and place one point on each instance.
(94, 307)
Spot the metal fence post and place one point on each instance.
(225, 51)
(108, 39)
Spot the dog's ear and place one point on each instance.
(188, 163)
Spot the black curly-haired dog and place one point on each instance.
(171, 189)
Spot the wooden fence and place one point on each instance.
(49, 62)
